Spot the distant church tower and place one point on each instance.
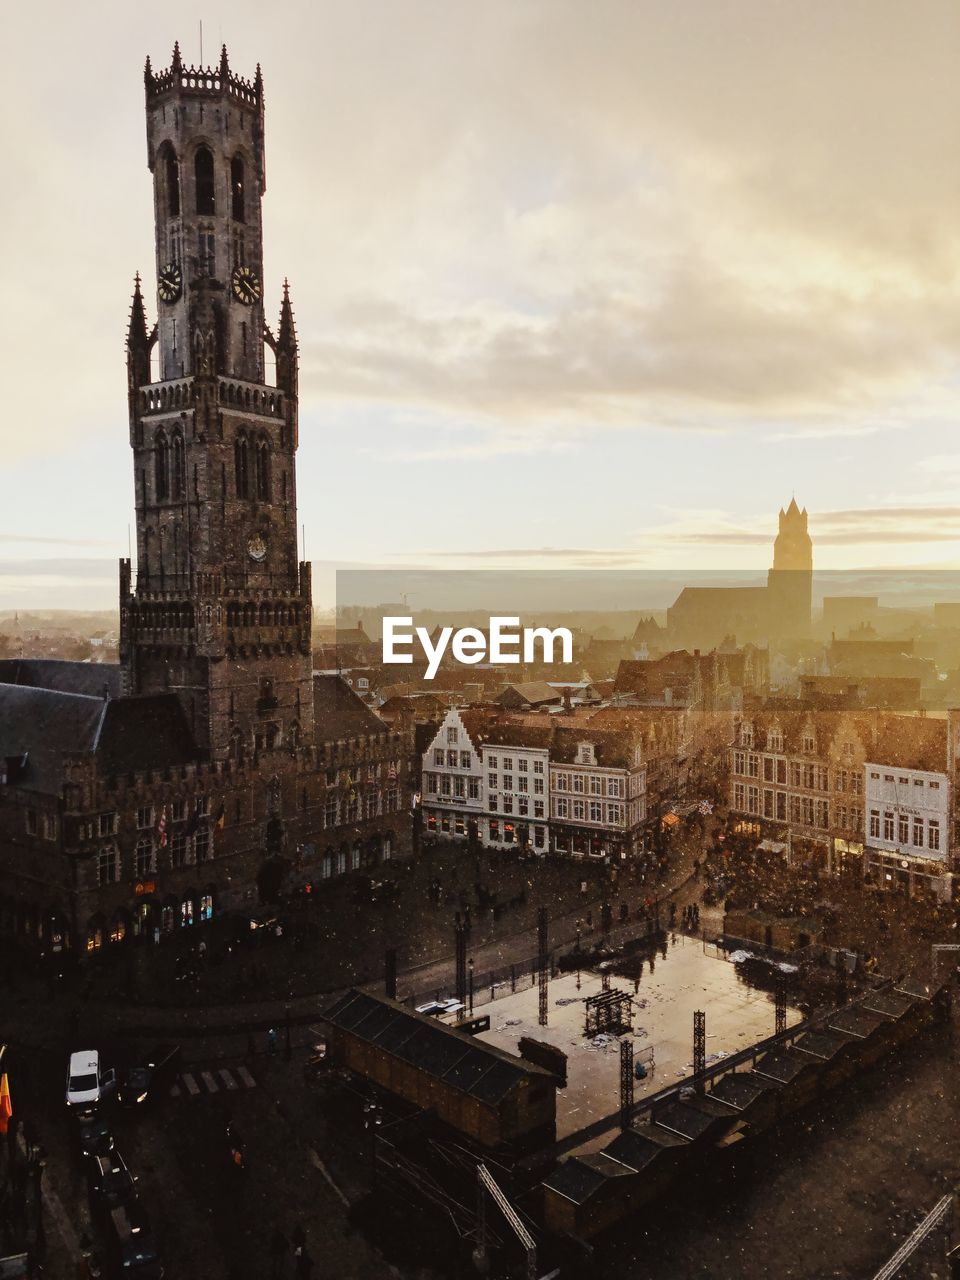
(790, 581)
(220, 612)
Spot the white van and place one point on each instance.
(86, 1084)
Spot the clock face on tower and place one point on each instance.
(169, 282)
(246, 285)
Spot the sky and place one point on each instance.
(577, 285)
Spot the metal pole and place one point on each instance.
(470, 981)
(543, 965)
(699, 1048)
(626, 1083)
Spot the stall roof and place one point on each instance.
(822, 1044)
(856, 1022)
(783, 1065)
(740, 1089)
(577, 1178)
(889, 1003)
(637, 1148)
(690, 1117)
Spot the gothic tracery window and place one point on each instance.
(242, 465)
(203, 175)
(263, 469)
(171, 178)
(236, 189)
(179, 467)
(161, 466)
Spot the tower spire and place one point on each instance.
(287, 332)
(224, 64)
(176, 62)
(137, 328)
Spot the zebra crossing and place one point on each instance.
(193, 1084)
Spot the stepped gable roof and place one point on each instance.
(43, 727)
(826, 725)
(92, 678)
(339, 712)
(911, 742)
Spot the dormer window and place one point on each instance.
(809, 743)
(774, 740)
(746, 735)
(586, 753)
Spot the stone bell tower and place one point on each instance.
(220, 611)
(790, 581)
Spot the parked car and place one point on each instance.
(155, 1072)
(95, 1136)
(133, 1249)
(87, 1083)
(111, 1182)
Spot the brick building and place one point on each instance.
(212, 765)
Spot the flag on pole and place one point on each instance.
(392, 775)
(162, 828)
(6, 1106)
(221, 816)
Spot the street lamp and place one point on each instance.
(470, 984)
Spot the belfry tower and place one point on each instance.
(790, 581)
(220, 611)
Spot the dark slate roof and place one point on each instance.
(464, 1063)
(44, 725)
(822, 1044)
(915, 989)
(636, 1148)
(690, 1118)
(740, 1089)
(339, 712)
(614, 750)
(889, 1003)
(782, 1065)
(856, 1022)
(578, 1178)
(147, 731)
(92, 678)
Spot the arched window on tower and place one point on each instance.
(171, 174)
(236, 189)
(241, 458)
(263, 469)
(203, 174)
(161, 466)
(179, 467)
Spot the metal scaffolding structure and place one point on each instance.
(608, 1013)
(939, 1217)
(543, 965)
(699, 1048)
(626, 1083)
(780, 1008)
(487, 1187)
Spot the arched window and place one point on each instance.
(161, 466)
(241, 459)
(236, 189)
(171, 174)
(203, 176)
(179, 467)
(263, 469)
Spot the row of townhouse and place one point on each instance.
(566, 787)
(871, 786)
